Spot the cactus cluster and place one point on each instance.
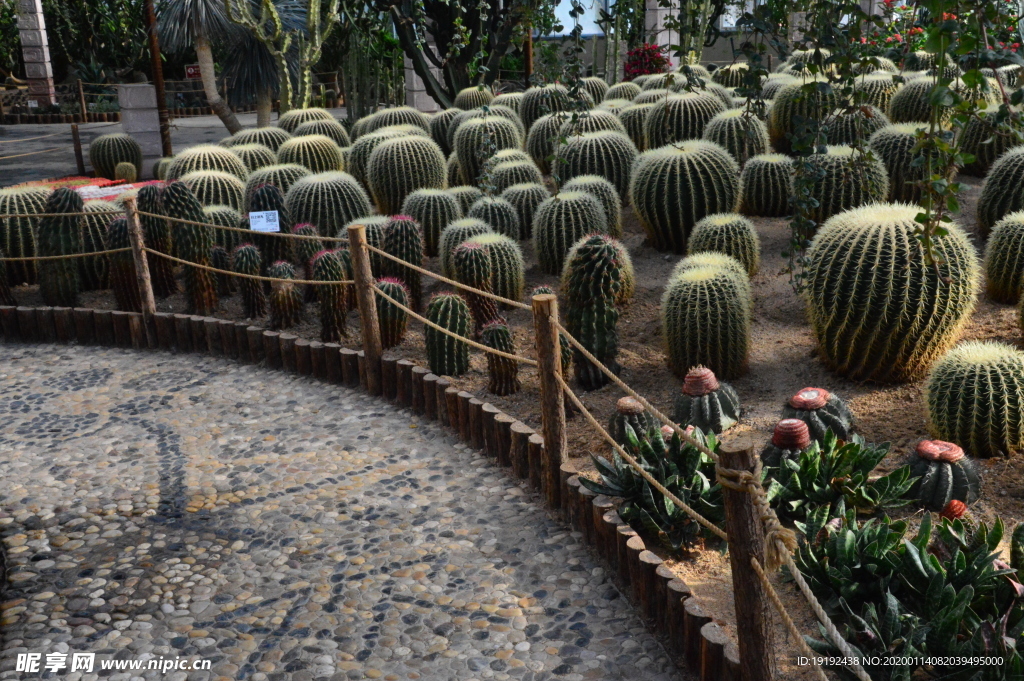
(675, 186)
(328, 200)
(624, 90)
(216, 188)
(207, 157)
(680, 117)
(333, 298)
(526, 198)
(318, 153)
(560, 222)
(841, 179)
(822, 411)
(944, 474)
(864, 255)
(60, 235)
(478, 139)
(793, 101)
(404, 240)
(246, 259)
(728, 233)
(542, 137)
(608, 154)
(741, 135)
(107, 151)
(255, 156)
(291, 120)
(282, 176)
(499, 214)
(400, 166)
(473, 97)
(846, 127)
(433, 209)
(505, 175)
(122, 268)
(1003, 191)
(272, 138)
(18, 235)
(286, 305)
(974, 396)
(156, 232)
(605, 192)
(447, 356)
(328, 128)
(93, 272)
(706, 403)
(193, 243)
(766, 181)
(392, 320)
(508, 275)
(894, 145)
(634, 118)
(1004, 259)
(541, 101)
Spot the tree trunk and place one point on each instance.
(206, 71)
(264, 108)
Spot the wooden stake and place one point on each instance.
(754, 631)
(145, 283)
(82, 105)
(76, 139)
(363, 276)
(545, 314)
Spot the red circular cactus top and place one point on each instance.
(667, 432)
(791, 434)
(810, 398)
(629, 405)
(954, 509)
(699, 381)
(937, 450)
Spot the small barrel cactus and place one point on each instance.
(728, 233)
(216, 188)
(207, 157)
(591, 286)
(675, 186)
(404, 240)
(508, 275)
(193, 243)
(491, 111)
(303, 252)
(591, 121)
(846, 127)
(609, 154)
(126, 171)
(392, 319)
(433, 209)
(122, 268)
(1004, 259)
(396, 116)
(543, 137)
(318, 153)
(246, 259)
(776, 82)
(596, 87)
(282, 176)
(821, 411)
(526, 198)
(706, 402)
(974, 398)
(255, 156)
(894, 145)
(327, 200)
(944, 474)
(510, 173)
(499, 214)
(223, 216)
(439, 127)
(448, 356)
(1003, 191)
(471, 264)
(680, 117)
(863, 255)
(333, 298)
(629, 411)
(789, 439)
(877, 89)
(473, 97)
(18, 235)
(477, 139)
(286, 305)
(623, 90)
(634, 118)
(156, 233)
(508, 99)
(92, 272)
(766, 181)
(957, 513)
(741, 135)
(107, 151)
(291, 120)
(272, 138)
(400, 166)
(219, 259)
(561, 221)
(912, 102)
(327, 128)
(605, 192)
(504, 372)
(541, 101)
(452, 237)
(466, 196)
(986, 142)
(731, 75)
(795, 101)
(363, 148)
(841, 179)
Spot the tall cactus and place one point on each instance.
(591, 288)
(193, 243)
(328, 266)
(404, 240)
(59, 235)
(504, 372)
(303, 252)
(448, 356)
(392, 319)
(156, 233)
(246, 259)
(219, 259)
(472, 265)
(286, 306)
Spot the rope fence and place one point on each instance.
(306, 282)
(33, 139)
(300, 237)
(87, 254)
(61, 215)
(31, 153)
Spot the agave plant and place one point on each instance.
(684, 470)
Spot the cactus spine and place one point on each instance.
(246, 259)
(505, 175)
(448, 356)
(107, 151)
(18, 235)
(333, 298)
(591, 286)
(59, 235)
(398, 167)
(328, 128)
(504, 372)
(472, 265)
(392, 319)
(433, 209)
(193, 243)
(318, 153)
(404, 240)
(560, 222)
(731, 234)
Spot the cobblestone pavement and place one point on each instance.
(157, 505)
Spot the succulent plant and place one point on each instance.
(219, 259)
(272, 247)
(526, 198)
(282, 176)
(93, 272)
(943, 474)
(192, 242)
(790, 438)
(398, 167)
(107, 151)
(318, 153)
(60, 235)
(634, 118)
(596, 87)
(797, 100)
(706, 403)
(327, 200)
(741, 135)
(503, 372)
(255, 156)
(623, 90)
(454, 172)
(473, 97)
(1004, 259)
(126, 171)
(392, 319)
(246, 259)
(477, 139)
(363, 147)
(433, 209)
(286, 305)
(224, 216)
(881, 337)
(508, 99)
(491, 111)
(591, 286)
(541, 101)
(328, 128)
(122, 268)
(595, 120)
(894, 145)
(291, 120)
(912, 102)
(561, 221)
(303, 252)
(499, 214)
(404, 116)
(505, 175)
(614, 105)
(507, 267)
(610, 155)
(728, 233)
(673, 187)
(652, 96)
(606, 194)
(215, 188)
(1003, 191)
(447, 356)
(18, 235)
(841, 179)
(471, 265)
(629, 411)
(207, 157)
(156, 233)
(439, 125)
(680, 117)
(877, 89)
(333, 298)
(986, 142)
(822, 411)
(776, 82)
(542, 137)
(453, 235)
(403, 239)
(272, 138)
(846, 127)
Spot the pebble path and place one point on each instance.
(161, 506)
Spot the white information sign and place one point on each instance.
(264, 221)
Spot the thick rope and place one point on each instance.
(31, 153)
(60, 215)
(246, 231)
(750, 482)
(305, 282)
(32, 139)
(66, 257)
(474, 344)
(450, 282)
(638, 468)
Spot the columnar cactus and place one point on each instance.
(126, 171)
(122, 268)
(864, 255)
(706, 402)
(452, 237)
(634, 119)
(610, 155)
(591, 286)
(623, 90)
(473, 97)
(303, 252)
(894, 146)
(282, 176)
(392, 319)
(1003, 191)
(60, 235)
(789, 439)
(526, 198)
(156, 232)
(207, 157)
(512, 173)
(398, 167)
(447, 356)
(333, 298)
(375, 225)
(223, 216)
(728, 233)
(846, 127)
(404, 240)
(327, 200)
(799, 99)
(193, 243)
(273, 247)
(255, 156)
(499, 214)
(765, 182)
(1004, 259)
(471, 263)
(841, 179)
(327, 128)
(272, 138)
(741, 135)
(705, 319)
(291, 120)
(439, 128)
(630, 412)
(541, 101)
(985, 142)
(974, 398)
(214, 188)
(821, 411)
(433, 209)
(508, 275)
(561, 221)
(680, 117)
(606, 194)
(675, 186)
(286, 305)
(246, 259)
(18, 235)
(106, 151)
(542, 137)
(504, 372)
(478, 139)
(877, 89)
(219, 259)
(944, 474)
(319, 153)
(93, 272)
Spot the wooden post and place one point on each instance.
(754, 631)
(145, 283)
(82, 106)
(77, 140)
(363, 276)
(545, 313)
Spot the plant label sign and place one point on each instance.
(33, 104)
(264, 221)
(192, 72)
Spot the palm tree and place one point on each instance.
(199, 23)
